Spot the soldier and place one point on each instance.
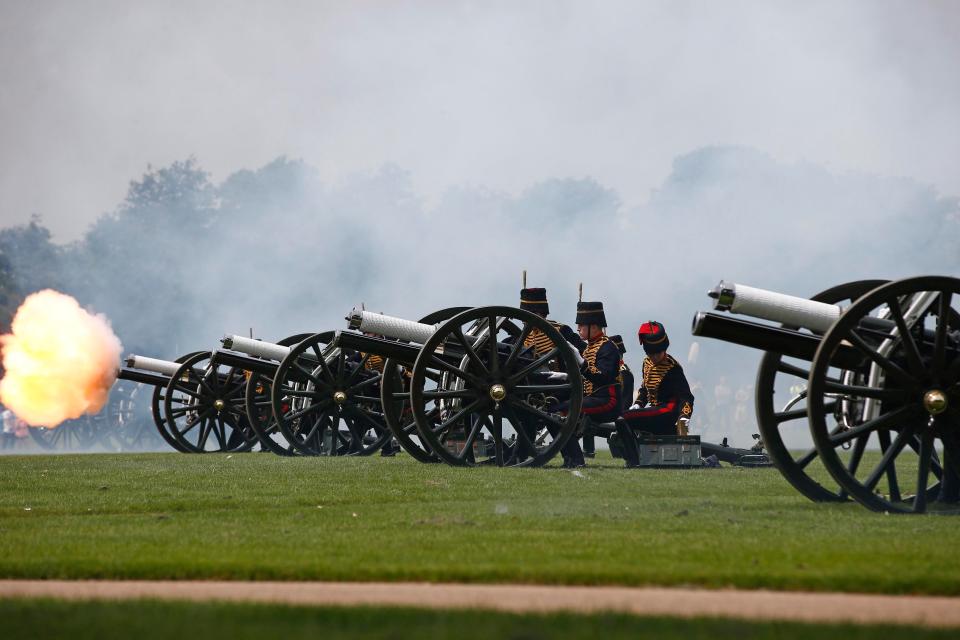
(601, 376)
(664, 403)
(535, 301)
(626, 391)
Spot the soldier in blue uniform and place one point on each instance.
(664, 403)
(535, 301)
(601, 376)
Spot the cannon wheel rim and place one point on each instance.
(917, 428)
(160, 416)
(254, 405)
(393, 400)
(768, 418)
(357, 418)
(480, 390)
(234, 416)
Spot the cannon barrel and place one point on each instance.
(245, 362)
(257, 348)
(403, 353)
(143, 377)
(390, 326)
(773, 306)
(155, 365)
(766, 338)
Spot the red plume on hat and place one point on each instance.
(653, 337)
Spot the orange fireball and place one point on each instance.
(60, 360)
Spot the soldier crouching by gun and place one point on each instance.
(664, 403)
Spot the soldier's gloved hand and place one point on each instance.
(557, 376)
(635, 406)
(683, 426)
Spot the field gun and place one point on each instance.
(194, 404)
(462, 386)
(869, 365)
(315, 402)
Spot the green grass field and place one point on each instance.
(259, 516)
(147, 620)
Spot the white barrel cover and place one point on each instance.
(398, 328)
(258, 348)
(165, 367)
(779, 307)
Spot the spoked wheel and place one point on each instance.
(782, 418)
(122, 424)
(910, 392)
(395, 397)
(328, 403)
(486, 399)
(71, 435)
(158, 412)
(204, 407)
(260, 409)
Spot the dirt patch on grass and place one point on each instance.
(929, 611)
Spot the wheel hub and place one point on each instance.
(339, 397)
(935, 402)
(219, 404)
(498, 392)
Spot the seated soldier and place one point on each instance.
(601, 376)
(664, 403)
(626, 391)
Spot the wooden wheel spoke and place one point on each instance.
(910, 348)
(360, 367)
(324, 368)
(862, 392)
(533, 366)
(857, 455)
(520, 405)
(299, 393)
(309, 375)
(521, 428)
(892, 369)
(363, 384)
(804, 460)
(302, 412)
(940, 336)
(471, 438)
(468, 348)
(893, 486)
(443, 426)
(888, 457)
(497, 432)
(517, 346)
(439, 363)
(220, 430)
(885, 421)
(492, 330)
(923, 470)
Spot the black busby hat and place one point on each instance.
(617, 340)
(591, 313)
(534, 300)
(653, 337)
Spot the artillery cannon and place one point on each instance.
(194, 398)
(869, 364)
(307, 397)
(462, 385)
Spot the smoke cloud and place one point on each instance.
(60, 361)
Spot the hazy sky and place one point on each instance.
(465, 93)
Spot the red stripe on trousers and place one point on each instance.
(603, 408)
(652, 411)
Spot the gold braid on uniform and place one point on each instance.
(373, 363)
(590, 362)
(652, 377)
(540, 342)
